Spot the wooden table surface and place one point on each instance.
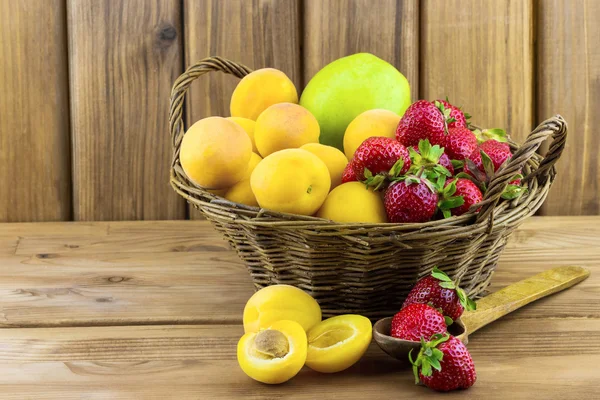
(153, 310)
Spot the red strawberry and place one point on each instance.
(379, 155)
(422, 120)
(417, 321)
(470, 193)
(443, 160)
(497, 151)
(441, 292)
(456, 113)
(459, 143)
(444, 364)
(410, 200)
(348, 174)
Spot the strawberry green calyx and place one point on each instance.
(377, 182)
(457, 164)
(487, 134)
(448, 283)
(425, 162)
(447, 200)
(429, 356)
(446, 113)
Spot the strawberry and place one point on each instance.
(444, 364)
(378, 155)
(425, 154)
(417, 321)
(439, 291)
(422, 120)
(457, 117)
(459, 143)
(348, 175)
(468, 191)
(410, 200)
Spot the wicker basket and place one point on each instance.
(369, 268)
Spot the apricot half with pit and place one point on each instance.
(338, 343)
(280, 302)
(273, 355)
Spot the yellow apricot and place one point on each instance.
(215, 153)
(241, 192)
(273, 355)
(333, 158)
(338, 342)
(353, 202)
(280, 302)
(248, 126)
(370, 123)
(285, 126)
(260, 89)
(292, 180)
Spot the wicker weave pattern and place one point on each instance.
(369, 268)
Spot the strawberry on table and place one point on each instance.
(444, 364)
(417, 321)
(439, 291)
(379, 155)
(410, 200)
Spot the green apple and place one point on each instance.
(349, 86)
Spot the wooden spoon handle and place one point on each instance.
(515, 296)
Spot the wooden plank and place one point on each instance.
(124, 57)
(181, 272)
(569, 72)
(480, 55)
(35, 166)
(258, 33)
(387, 28)
(544, 361)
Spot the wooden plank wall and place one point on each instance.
(85, 84)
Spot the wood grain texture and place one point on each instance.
(387, 28)
(124, 57)
(181, 272)
(35, 177)
(480, 55)
(569, 84)
(256, 33)
(183, 362)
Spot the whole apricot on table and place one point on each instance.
(370, 123)
(275, 354)
(260, 89)
(335, 160)
(248, 126)
(338, 343)
(280, 302)
(352, 202)
(284, 126)
(291, 181)
(241, 192)
(215, 153)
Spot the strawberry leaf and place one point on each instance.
(440, 275)
(488, 165)
(448, 320)
(368, 173)
(448, 285)
(446, 214)
(440, 169)
(495, 134)
(397, 167)
(457, 164)
(465, 301)
(513, 191)
(435, 363)
(452, 202)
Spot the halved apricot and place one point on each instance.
(273, 355)
(338, 342)
(280, 302)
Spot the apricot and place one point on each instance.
(280, 302)
(285, 126)
(241, 192)
(292, 181)
(370, 123)
(273, 355)
(215, 153)
(353, 202)
(338, 342)
(333, 158)
(248, 126)
(260, 89)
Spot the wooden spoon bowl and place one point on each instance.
(489, 308)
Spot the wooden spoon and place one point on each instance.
(489, 308)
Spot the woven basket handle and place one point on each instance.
(555, 127)
(181, 86)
